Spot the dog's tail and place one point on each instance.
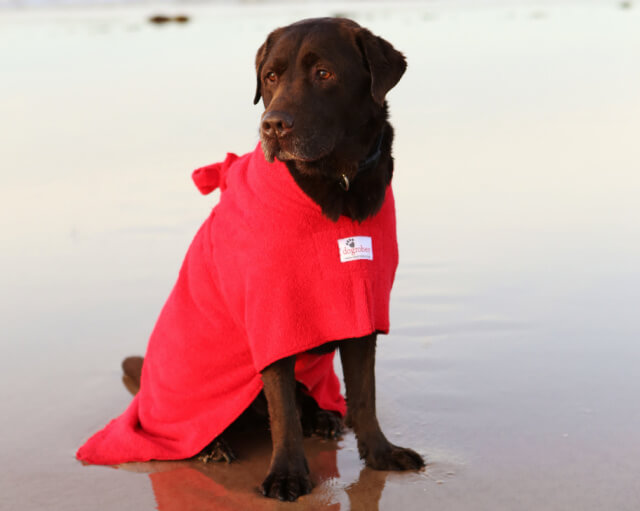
(132, 368)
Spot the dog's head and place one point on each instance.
(322, 81)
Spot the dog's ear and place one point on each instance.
(385, 64)
(261, 56)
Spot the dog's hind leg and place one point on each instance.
(132, 369)
(358, 361)
(317, 421)
(218, 450)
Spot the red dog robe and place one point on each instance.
(266, 276)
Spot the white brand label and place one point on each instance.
(354, 248)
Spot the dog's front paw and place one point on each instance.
(287, 481)
(387, 456)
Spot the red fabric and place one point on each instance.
(262, 280)
(186, 489)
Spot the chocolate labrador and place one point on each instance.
(323, 83)
(334, 137)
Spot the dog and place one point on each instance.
(321, 174)
(324, 133)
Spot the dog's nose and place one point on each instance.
(276, 124)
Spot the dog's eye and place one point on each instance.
(323, 74)
(271, 76)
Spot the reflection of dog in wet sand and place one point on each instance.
(296, 261)
(177, 486)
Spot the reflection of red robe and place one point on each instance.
(266, 276)
(187, 489)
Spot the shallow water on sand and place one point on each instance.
(512, 361)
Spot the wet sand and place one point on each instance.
(512, 364)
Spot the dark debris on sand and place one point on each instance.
(161, 19)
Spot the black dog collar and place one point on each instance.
(371, 161)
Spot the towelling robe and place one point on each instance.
(266, 276)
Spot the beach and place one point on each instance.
(512, 360)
